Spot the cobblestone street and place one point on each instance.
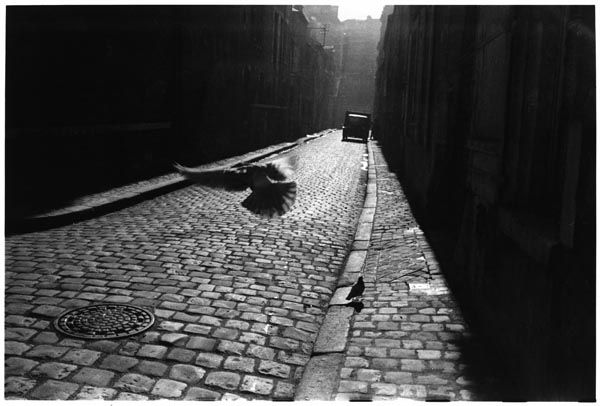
(238, 300)
(405, 336)
(284, 202)
(244, 307)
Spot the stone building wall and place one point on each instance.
(98, 96)
(488, 114)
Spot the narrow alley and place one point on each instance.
(238, 301)
(352, 202)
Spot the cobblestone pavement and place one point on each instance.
(405, 343)
(238, 300)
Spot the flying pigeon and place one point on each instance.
(357, 289)
(272, 195)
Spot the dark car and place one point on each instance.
(356, 125)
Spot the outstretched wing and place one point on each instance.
(270, 197)
(280, 169)
(223, 177)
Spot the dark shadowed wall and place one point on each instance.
(98, 96)
(488, 115)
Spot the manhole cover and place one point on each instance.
(104, 321)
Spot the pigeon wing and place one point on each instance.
(280, 169)
(223, 177)
(270, 199)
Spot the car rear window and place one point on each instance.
(355, 119)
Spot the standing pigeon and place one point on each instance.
(357, 289)
(271, 196)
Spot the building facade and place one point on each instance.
(353, 44)
(325, 28)
(103, 95)
(488, 114)
(357, 86)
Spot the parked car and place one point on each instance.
(356, 125)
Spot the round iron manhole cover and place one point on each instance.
(104, 321)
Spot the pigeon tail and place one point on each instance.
(281, 169)
(272, 200)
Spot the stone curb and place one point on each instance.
(79, 213)
(334, 330)
(353, 268)
(320, 378)
(322, 372)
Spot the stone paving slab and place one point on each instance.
(339, 297)
(371, 201)
(353, 268)
(368, 213)
(363, 233)
(321, 375)
(334, 330)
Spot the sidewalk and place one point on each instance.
(406, 341)
(113, 199)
